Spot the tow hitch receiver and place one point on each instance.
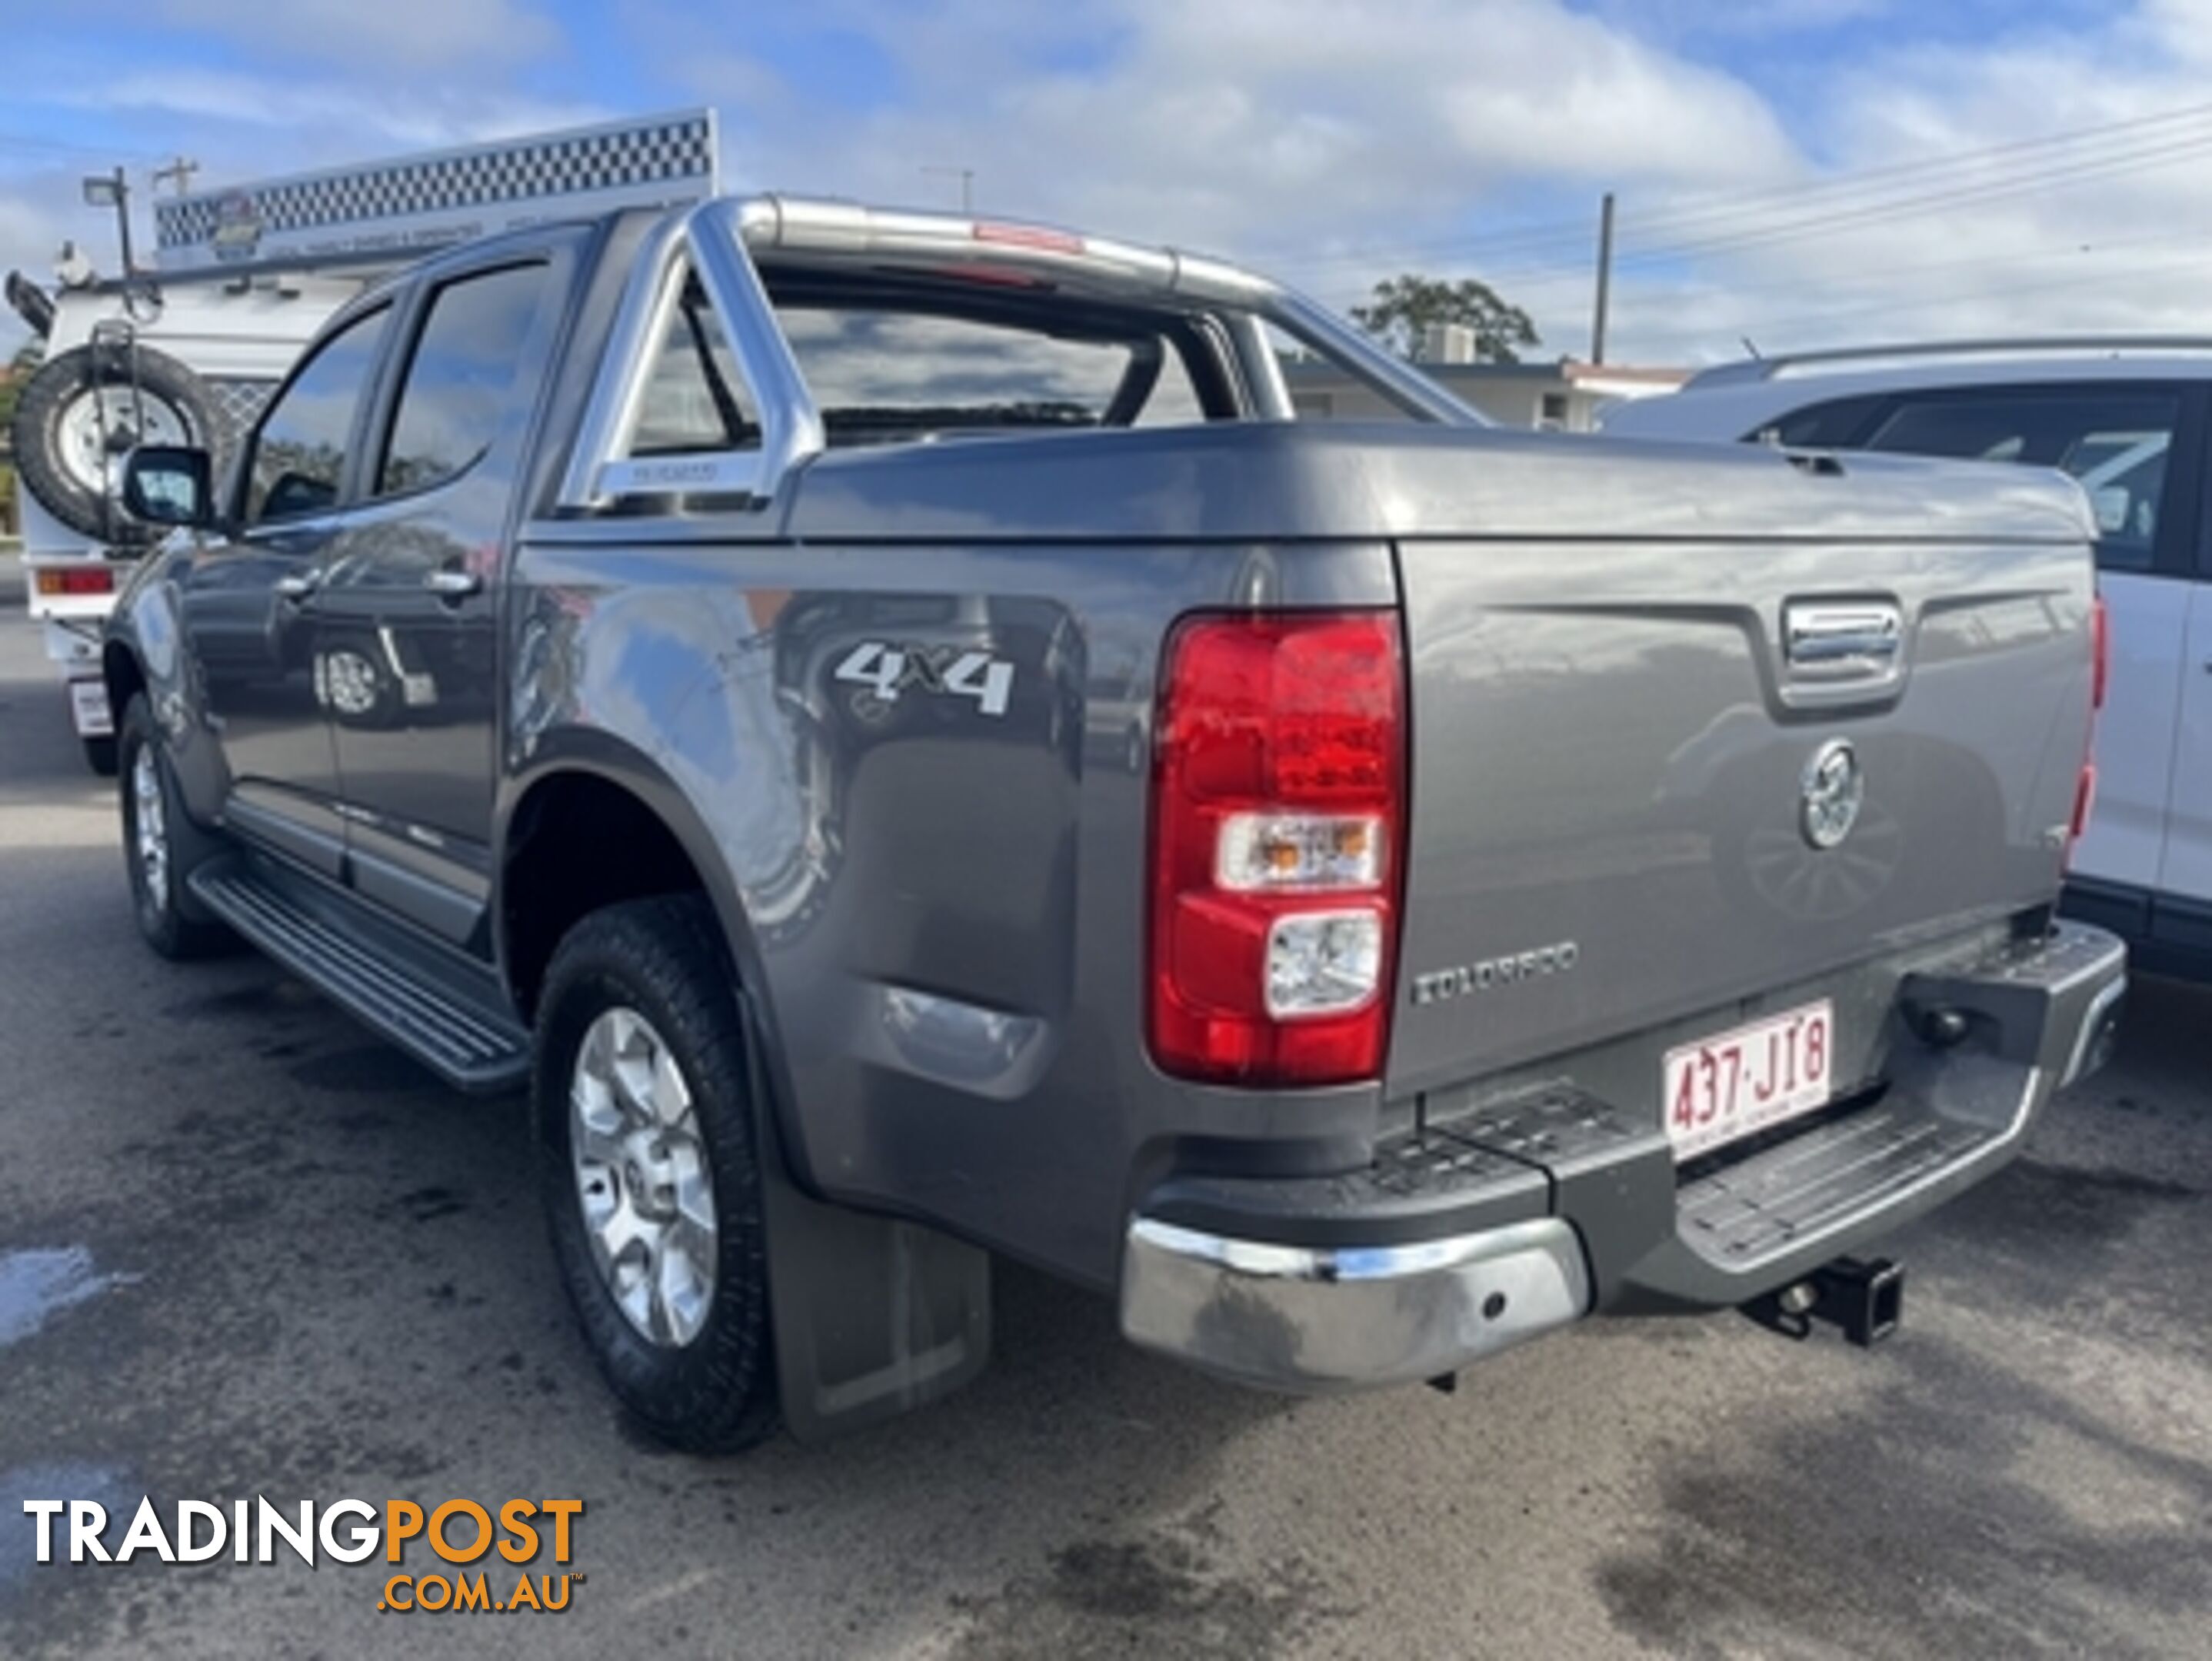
(1866, 1299)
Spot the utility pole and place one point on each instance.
(182, 170)
(1604, 278)
(967, 178)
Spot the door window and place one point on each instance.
(300, 449)
(2115, 441)
(460, 381)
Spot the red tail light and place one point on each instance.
(88, 579)
(2085, 786)
(1278, 831)
(2085, 799)
(2100, 653)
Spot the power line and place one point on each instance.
(2132, 274)
(1907, 207)
(59, 147)
(1828, 196)
(2079, 251)
(2063, 177)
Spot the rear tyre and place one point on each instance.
(161, 846)
(650, 1175)
(100, 755)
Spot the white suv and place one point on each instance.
(2128, 418)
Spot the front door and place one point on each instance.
(406, 614)
(248, 602)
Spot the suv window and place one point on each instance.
(881, 374)
(461, 376)
(1831, 426)
(2115, 441)
(299, 448)
(695, 400)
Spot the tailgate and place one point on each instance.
(1660, 776)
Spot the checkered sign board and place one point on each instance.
(414, 203)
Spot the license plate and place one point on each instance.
(1740, 1081)
(88, 709)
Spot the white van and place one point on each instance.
(189, 353)
(183, 360)
(2127, 417)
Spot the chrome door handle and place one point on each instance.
(454, 584)
(297, 586)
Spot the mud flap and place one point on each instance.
(874, 1317)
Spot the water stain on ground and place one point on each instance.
(2033, 1204)
(38, 1284)
(1167, 1591)
(65, 1479)
(1790, 1542)
(273, 997)
(426, 1204)
(367, 1069)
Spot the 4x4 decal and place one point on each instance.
(886, 670)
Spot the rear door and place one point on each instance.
(2136, 447)
(407, 612)
(248, 600)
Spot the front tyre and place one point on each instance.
(161, 846)
(649, 1173)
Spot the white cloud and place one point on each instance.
(414, 33)
(1282, 125)
(1335, 143)
(323, 119)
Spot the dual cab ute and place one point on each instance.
(889, 728)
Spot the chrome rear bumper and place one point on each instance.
(1316, 1319)
(1471, 1232)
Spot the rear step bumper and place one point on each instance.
(1466, 1237)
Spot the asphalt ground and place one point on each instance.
(246, 1248)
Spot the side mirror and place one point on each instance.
(169, 484)
(2112, 502)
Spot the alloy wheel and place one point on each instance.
(643, 1176)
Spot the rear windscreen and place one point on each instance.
(881, 374)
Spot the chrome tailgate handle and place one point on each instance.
(1842, 640)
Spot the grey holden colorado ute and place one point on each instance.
(889, 726)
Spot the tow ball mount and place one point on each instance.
(1865, 1298)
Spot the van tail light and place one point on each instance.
(76, 579)
(2085, 784)
(1277, 834)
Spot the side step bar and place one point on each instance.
(381, 974)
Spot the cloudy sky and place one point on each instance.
(1799, 172)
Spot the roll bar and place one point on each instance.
(720, 242)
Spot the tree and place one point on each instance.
(1403, 307)
(19, 370)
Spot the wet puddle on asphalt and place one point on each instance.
(68, 1479)
(37, 1284)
